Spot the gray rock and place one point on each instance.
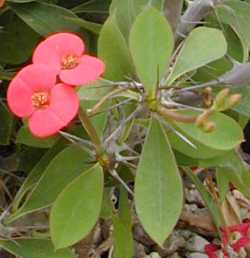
(196, 244)
(197, 255)
(153, 255)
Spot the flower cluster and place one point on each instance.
(44, 91)
(233, 237)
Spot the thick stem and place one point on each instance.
(238, 76)
(195, 12)
(172, 11)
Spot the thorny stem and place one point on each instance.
(74, 139)
(172, 10)
(100, 153)
(195, 12)
(200, 86)
(116, 132)
(182, 137)
(114, 174)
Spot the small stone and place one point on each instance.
(197, 255)
(153, 255)
(196, 243)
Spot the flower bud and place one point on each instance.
(207, 95)
(203, 118)
(234, 100)
(220, 103)
(209, 127)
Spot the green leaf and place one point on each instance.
(34, 248)
(236, 14)
(206, 196)
(122, 222)
(87, 25)
(17, 41)
(6, 121)
(213, 70)
(25, 137)
(244, 106)
(237, 47)
(107, 207)
(96, 6)
(99, 120)
(151, 45)
(222, 182)
(227, 135)
(95, 90)
(28, 157)
(45, 18)
(196, 151)
(127, 10)
(113, 50)
(77, 208)
(237, 170)
(158, 186)
(65, 167)
(198, 50)
(36, 173)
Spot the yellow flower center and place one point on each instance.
(69, 62)
(40, 99)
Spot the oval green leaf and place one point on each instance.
(127, 10)
(158, 186)
(227, 135)
(198, 50)
(65, 167)
(196, 151)
(113, 50)
(151, 44)
(77, 208)
(34, 248)
(45, 18)
(122, 222)
(24, 136)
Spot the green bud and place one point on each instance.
(234, 100)
(221, 100)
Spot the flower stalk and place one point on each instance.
(88, 126)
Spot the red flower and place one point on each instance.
(211, 250)
(226, 233)
(34, 94)
(244, 239)
(64, 52)
(241, 243)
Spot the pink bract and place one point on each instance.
(242, 242)
(210, 250)
(64, 52)
(34, 94)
